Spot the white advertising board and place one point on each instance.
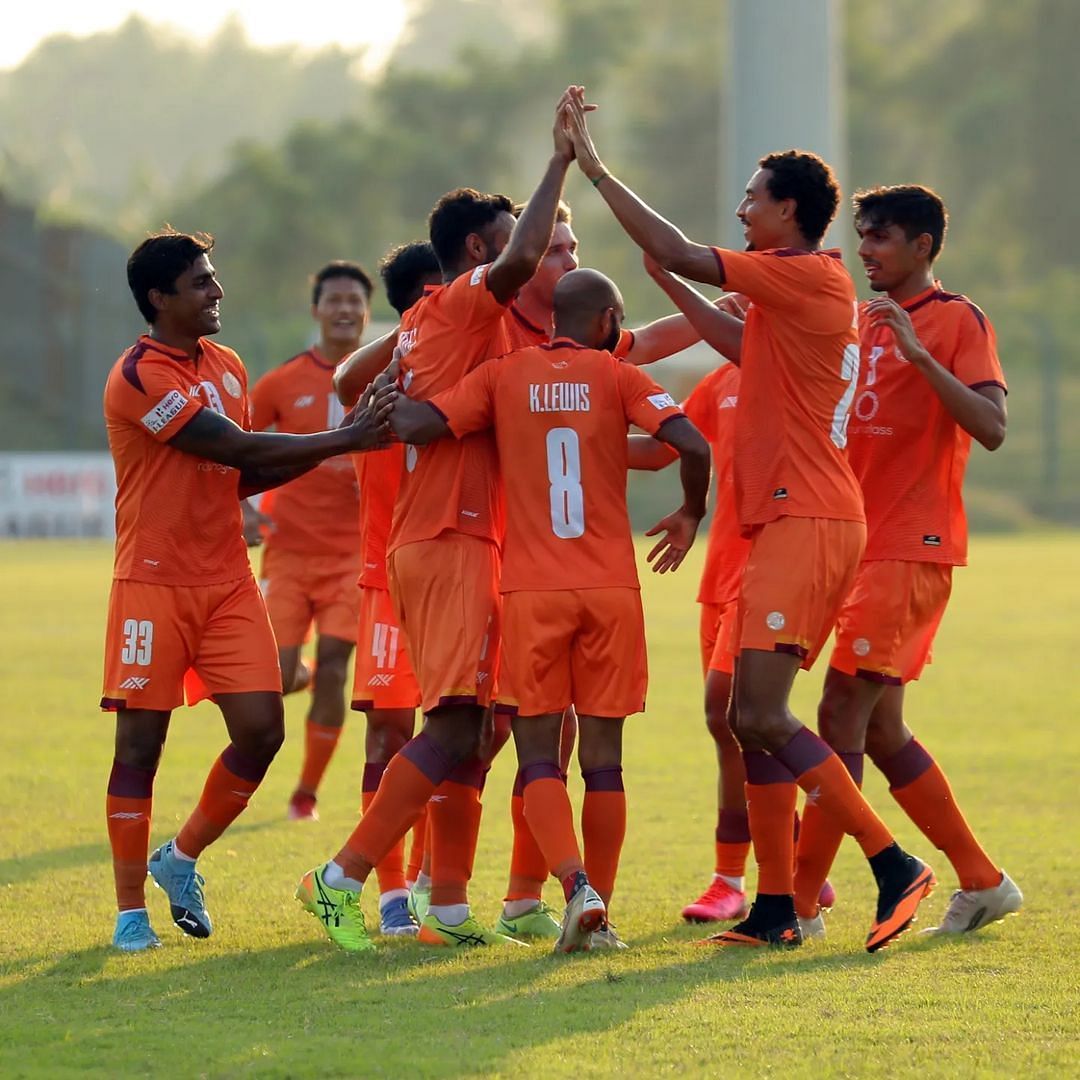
(63, 494)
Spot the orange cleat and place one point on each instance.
(898, 903)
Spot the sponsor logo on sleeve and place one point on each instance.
(478, 274)
(662, 401)
(164, 412)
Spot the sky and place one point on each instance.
(375, 24)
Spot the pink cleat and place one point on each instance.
(827, 897)
(302, 807)
(718, 903)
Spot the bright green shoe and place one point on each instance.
(433, 931)
(537, 922)
(419, 901)
(337, 909)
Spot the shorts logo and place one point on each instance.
(860, 646)
(662, 401)
(729, 402)
(478, 274)
(780, 493)
(231, 384)
(135, 682)
(481, 678)
(166, 410)
(304, 402)
(380, 680)
(932, 540)
(775, 620)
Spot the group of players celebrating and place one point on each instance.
(487, 523)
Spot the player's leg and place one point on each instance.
(916, 781)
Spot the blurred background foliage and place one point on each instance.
(292, 157)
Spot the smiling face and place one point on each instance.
(559, 259)
(341, 311)
(191, 309)
(888, 256)
(766, 221)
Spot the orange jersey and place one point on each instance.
(907, 452)
(561, 414)
(800, 361)
(449, 485)
(379, 474)
(178, 519)
(711, 408)
(318, 513)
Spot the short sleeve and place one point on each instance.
(153, 397)
(262, 406)
(769, 278)
(624, 346)
(470, 406)
(975, 360)
(645, 402)
(470, 303)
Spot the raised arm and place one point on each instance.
(681, 527)
(358, 369)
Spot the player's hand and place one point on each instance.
(564, 144)
(367, 423)
(729, 305)
(881, 311)
(679, 531)
(584, 150)
(254, 522)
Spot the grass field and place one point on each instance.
(267, 995)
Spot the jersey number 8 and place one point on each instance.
(564, 475)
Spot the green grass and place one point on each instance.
(267, 995)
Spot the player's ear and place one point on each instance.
(475, 247)
(158, 298)
(924, 244)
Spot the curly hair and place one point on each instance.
(806, 178)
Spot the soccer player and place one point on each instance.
(573, 626)
(443, 564)
(183, 596)
(384, 686)
(930, 382)
(797, 500)
(312, 553)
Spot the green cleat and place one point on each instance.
(537, 922)
(433, 931)
(419, 901)
(337, 909)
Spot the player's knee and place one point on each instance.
(599, 752)
(838, 722)
(140, 750)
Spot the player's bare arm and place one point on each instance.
(359, 368)
(681, 527)
(415, 422)
(719, 324)
(646, 454)
(532, 234)
(980, 411)
(666, 243)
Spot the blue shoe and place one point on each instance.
(184, 889)
(395, 920)
(134, 933)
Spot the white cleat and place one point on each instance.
(583, 915)
(972, 909)
(606, 938)
(813, 927)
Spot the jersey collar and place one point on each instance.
(174, 354)
(919, 299)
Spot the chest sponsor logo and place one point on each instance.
(406, 341)
(662, 401)
(166, 410)
(231, 384)
(559, 397)
(932, 540)
(305, 401)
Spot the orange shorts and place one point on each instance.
(886, 627)
(383, 677)
(305, 589)
(796, 578)
(155, 633)
(717, 621)
(446, 593)
(584, 647)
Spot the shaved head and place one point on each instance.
(588, 308)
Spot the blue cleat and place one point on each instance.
(134, 933)
(183, 886)
(395, 919)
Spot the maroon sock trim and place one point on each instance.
(428, 756)
(129, 782)
(763, 768)
(247, 768)
(906, 765)
(803, 752)
(608, 779)
(373, 772)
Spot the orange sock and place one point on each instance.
(770, 808)
(128, 805)
(732, 843)
(410, 779)
(603, 827)
(455, 829)
(320, 742)
(818, 842)
(917, 783)
(528, 864)
(550, 817)
(821, 774)
(391, 869)
(416, 852)
(232, 781)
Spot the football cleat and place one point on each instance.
(606, 938)
(537, 922)
(419, 900)
(302, 807)
(433, 931)
(584, 914)
(813, 927)
(395, 919)
(755, 933)
(718, 903)
(183, 886)
(338, 910)
(972, 909)
(827, 897)
(898, 901)
(134, 933)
